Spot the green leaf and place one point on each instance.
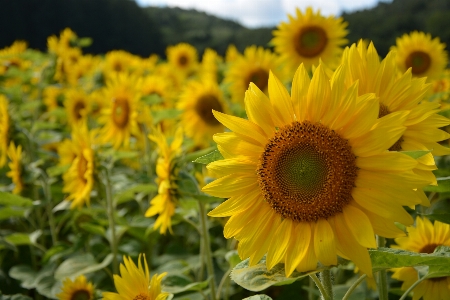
(93, 228)
(165, 114)
(210, 157)
(257, 278)
(443, 185)
(187, 184)
(416, 154)
(177, 283)
(18, 239)
(10, 212)
(258, 297)
(439, 211)
(14, 200)
(81, 264)
(84, 42)
(118, 155)
(57, 170)
(25, 274)
(208, 199)
(233, 258)
(130, 194)
(152, 99)
(15, 297)
(190, 157)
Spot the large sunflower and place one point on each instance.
(79, 289)
(308, 37)
(119, 117)
(309, 177)
(15, 166)
(79, 178)
(424, 238)
(4, 129)
(197, 102)
(135, 283)
(254, 66)
(183, 57)
(425, 56)
(400, 92)
(165, 202)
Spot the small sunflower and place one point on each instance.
(210, 65)
(254, 66)
(161, 86)
(165, 202)
(77, 104)
(308, 37)
(231, 54)
(425, 56)
(51, 97)
(314, 162)
(119, 117)
(79, 178)
(11, 57)
(79, 289)
(15, 166)
(135, 283)
(4, 129)
(424, 238)
(119, 61)
(197, 102)
(183, 57)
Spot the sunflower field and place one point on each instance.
(313, 169)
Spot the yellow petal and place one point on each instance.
(281, 101)
(236, 204)
(387, 162)
(277, 248)
(324, 243)
(360, 226)
(299, 90)
(318, 95)
(258, 110)
(298, 246)
(231, 185)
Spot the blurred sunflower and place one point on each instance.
(183, 58)
(400, 92)
(165, 202)
(11, 57)
(231, 54)
(119, 117)
(197, 102)
(424, 238)
(15, 166)
(314, 162)
(77, 104)
(65, 63)
(119, 61)
(160, 86)
(52, 96)
(308, 37)
(425, 56)
(209, 69)
(440, 89)
(253, 66)
(79, 289)
(79, 178)
(61, 44)
(4, 129)
(135, 282)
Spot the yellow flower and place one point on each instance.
(314, 162)
(253, 66)
(11, 57)
(308, 37)
(231, 54)
(77, 104)
(400, 92)
(119, 61)
(183, 57)
(210, 65)
(440, 89)
(197, 102)
(79, 178)
(60, 45)
(425, 56)
(15, 166)
(165, 202)
(51, 95)
(79, 289)
(4, 129)
(424, 238)
(135, 283)
(161, 86)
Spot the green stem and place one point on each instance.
(311, 288)
(382, 275)
(319, 286)
(207, 250)
(353, 287)
(112, 226)
(49, 207)
(325, 278)
(411, 288)
(224, 279)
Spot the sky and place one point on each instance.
(263, 13)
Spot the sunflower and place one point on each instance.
(135, 283)
(51, 97)
(253, 66)
(309, 37)
(315, 162)
(400, 92)
(59, 45)
(79, 289)
(183, 57)
(210, 65)
(4, 129)
(424, 238)
(164, 203)
(197, 102)
(231, 53)
(79, 178)
(77, 104)
(160, 86)
(15, 166)
(119, 61)
(11, 57)
(425, 56)
(440, 89)
(119, 117)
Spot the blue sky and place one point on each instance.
(259, 13)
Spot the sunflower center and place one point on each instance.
(121, 112)
(419, 61)
(118, 67)
(259, 77)
(81, 295)
(429, 248)
(141, 297)
(183, 60)
(77, 109)
(204, 106)
(311, 41)
(384, 111)
(307, 172)
(82, 168)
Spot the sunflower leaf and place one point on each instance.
(81, 265)
(416, 154)
(439, 211)
(177, 283)
(258, 297)
(443, 185)
(14, 200)
(209, 158)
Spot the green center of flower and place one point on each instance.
(204, 107)
(81, 295)
(121, 112)
(311, 41)
(307, 172)
(259, 77)
(418, 61)
(384, 111)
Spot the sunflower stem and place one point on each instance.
(325, 278)
(112, 226)
(207, 250)
(310, 290)
(406, 293)
(354, 286)
(382, 275)
(49, 207)
(319, 286)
